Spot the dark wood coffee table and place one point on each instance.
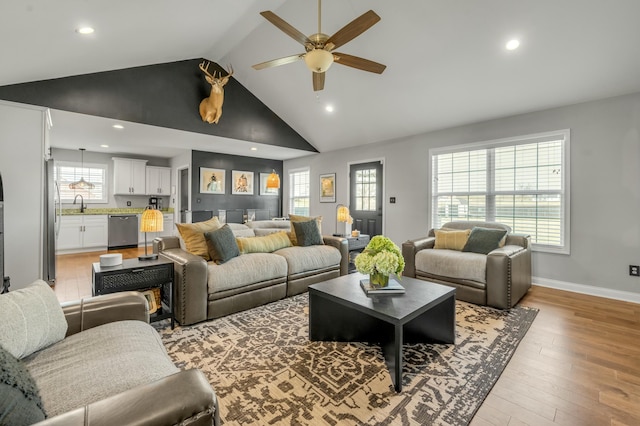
(340, 311)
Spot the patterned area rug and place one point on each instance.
(265, 370)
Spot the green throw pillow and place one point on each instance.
(20, 402)
(265, 244)
(307, 233)
(484, 240)
(222, 244)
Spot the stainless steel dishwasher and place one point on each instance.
(123, 230)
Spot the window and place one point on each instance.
(365, 186)
(521, 182)
(69, 172)
(299, 192)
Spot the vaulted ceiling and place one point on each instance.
(446, 60)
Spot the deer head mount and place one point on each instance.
(211, 107)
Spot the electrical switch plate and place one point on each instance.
(634, 270)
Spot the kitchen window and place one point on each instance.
(299, 192)
(522, 182)
(68, 172)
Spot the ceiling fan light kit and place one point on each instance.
(320, 48)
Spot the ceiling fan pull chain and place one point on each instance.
(319, 15)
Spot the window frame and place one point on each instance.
(77, 164)
(565, 220)
(292, 198)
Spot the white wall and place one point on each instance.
(22, 167)
(605, 186)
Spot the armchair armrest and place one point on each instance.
(91, 312)
(182, 398)
(509, 273)
(189, 286)
(341, 244)
(409, 250)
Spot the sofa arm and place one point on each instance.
(189, 285)
(91, 312)
(508, 275)
(341, 244)
(522, 240)
(165, 243)
(409, 250)
(182, 398)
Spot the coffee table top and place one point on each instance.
(396, 308)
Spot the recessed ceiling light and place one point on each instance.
(329, 108)
(512, 44)
(118, 126)
(253, 148)
(104, 146)
(85, 30)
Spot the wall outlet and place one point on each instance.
(128, 203)
(634, 270)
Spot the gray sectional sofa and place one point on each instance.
(205, 290)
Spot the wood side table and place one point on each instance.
(356, 245)
(138, 275)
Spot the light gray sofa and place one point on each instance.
(205, 290)
(498, 279)
(100, 363)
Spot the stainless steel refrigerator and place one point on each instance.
(52, 223)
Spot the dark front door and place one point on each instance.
(365, 201)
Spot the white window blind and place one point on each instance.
(299, 192)
(66, 173)
(521, 182)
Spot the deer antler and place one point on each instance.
(206, 69)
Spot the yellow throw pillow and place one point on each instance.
(452, 240)
(266, 244)
(193, 236)
(297, 218)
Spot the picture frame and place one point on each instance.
(263, 186)
(328, 188)
(241, 182)
(151, 299)
(212, 181)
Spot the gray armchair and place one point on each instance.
(499, 279)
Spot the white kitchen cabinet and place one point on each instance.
(78, 232)
(129, 176)
(158, 180)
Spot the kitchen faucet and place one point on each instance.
(82, 206)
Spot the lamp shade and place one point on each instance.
(151, 221)
(318, 60)
(342, 213)
(273, 181)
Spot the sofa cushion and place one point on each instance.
(20, 402)
(282, 225)
(31, 319)
(453, 264)
(244, 270)
(484, 240)
(81, 369)
(451, 239)
(307, 233)
(266, 244)
(304, 259)
(298, 218)
(193, 236)
(221, 244)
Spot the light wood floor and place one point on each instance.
(579, 364)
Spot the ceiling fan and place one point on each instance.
(319, 48)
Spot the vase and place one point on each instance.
(378, 279)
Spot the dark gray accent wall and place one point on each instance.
(164, 95)
(228, 201)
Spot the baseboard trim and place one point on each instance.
(608, 293)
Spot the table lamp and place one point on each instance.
(342, 215)
(151, 221)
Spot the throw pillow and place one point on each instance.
(296, 218)
(484, 240)
(20, 402)
(31, 319)
(193, 236)
(221, 245)
(307, 233)
(450, 239)
(265, 244)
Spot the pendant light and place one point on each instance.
(81, 184)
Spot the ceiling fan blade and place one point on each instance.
(353, 29)
(286, 27)
(359, 63)
(278, 62)
(318, 81)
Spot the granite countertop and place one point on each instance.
(93, 211)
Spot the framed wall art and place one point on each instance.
(212, 181)
(241, 182)
(328, 188)
(263, 186)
